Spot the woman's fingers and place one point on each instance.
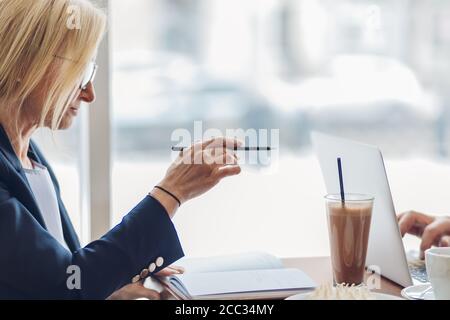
(225, 157)
(227, 171)
(413, 222)
(166, 272)
(169, 271)
(134, 291)
(205, 152)
(178, 268)
(399, 216)
(143, 292)
(432, 230)
(406, 222)
(219, 156)
(199, 168)
(432, 234)
(223, 165)
(445, 241)
(222, 142)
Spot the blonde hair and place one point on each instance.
(34, 34)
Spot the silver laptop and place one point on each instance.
(364, 172)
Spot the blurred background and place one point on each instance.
(373, 71)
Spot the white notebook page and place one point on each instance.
(211, 283)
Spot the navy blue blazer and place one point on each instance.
(34, 265)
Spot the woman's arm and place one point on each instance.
(35, 266)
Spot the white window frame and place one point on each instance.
(95, 156)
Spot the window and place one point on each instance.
(374, 71)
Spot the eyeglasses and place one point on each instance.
(89, 73)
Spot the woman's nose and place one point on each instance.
(88, 94)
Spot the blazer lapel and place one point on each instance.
(70, 236)
(20, 185)
(23, 192)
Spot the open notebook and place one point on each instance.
(243, 276)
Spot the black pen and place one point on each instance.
(235, 148)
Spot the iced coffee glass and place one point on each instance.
(348, 227)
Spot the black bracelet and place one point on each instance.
(170, 194)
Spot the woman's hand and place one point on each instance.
(197, 170)
(434, 231)
(137, 290)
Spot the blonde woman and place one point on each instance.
(47, 65)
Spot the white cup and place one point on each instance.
(438, 270)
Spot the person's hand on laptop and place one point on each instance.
(434, 231)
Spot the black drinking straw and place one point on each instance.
(341, 180)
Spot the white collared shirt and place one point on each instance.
(44, 192)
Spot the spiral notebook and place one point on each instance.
(243, 276)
